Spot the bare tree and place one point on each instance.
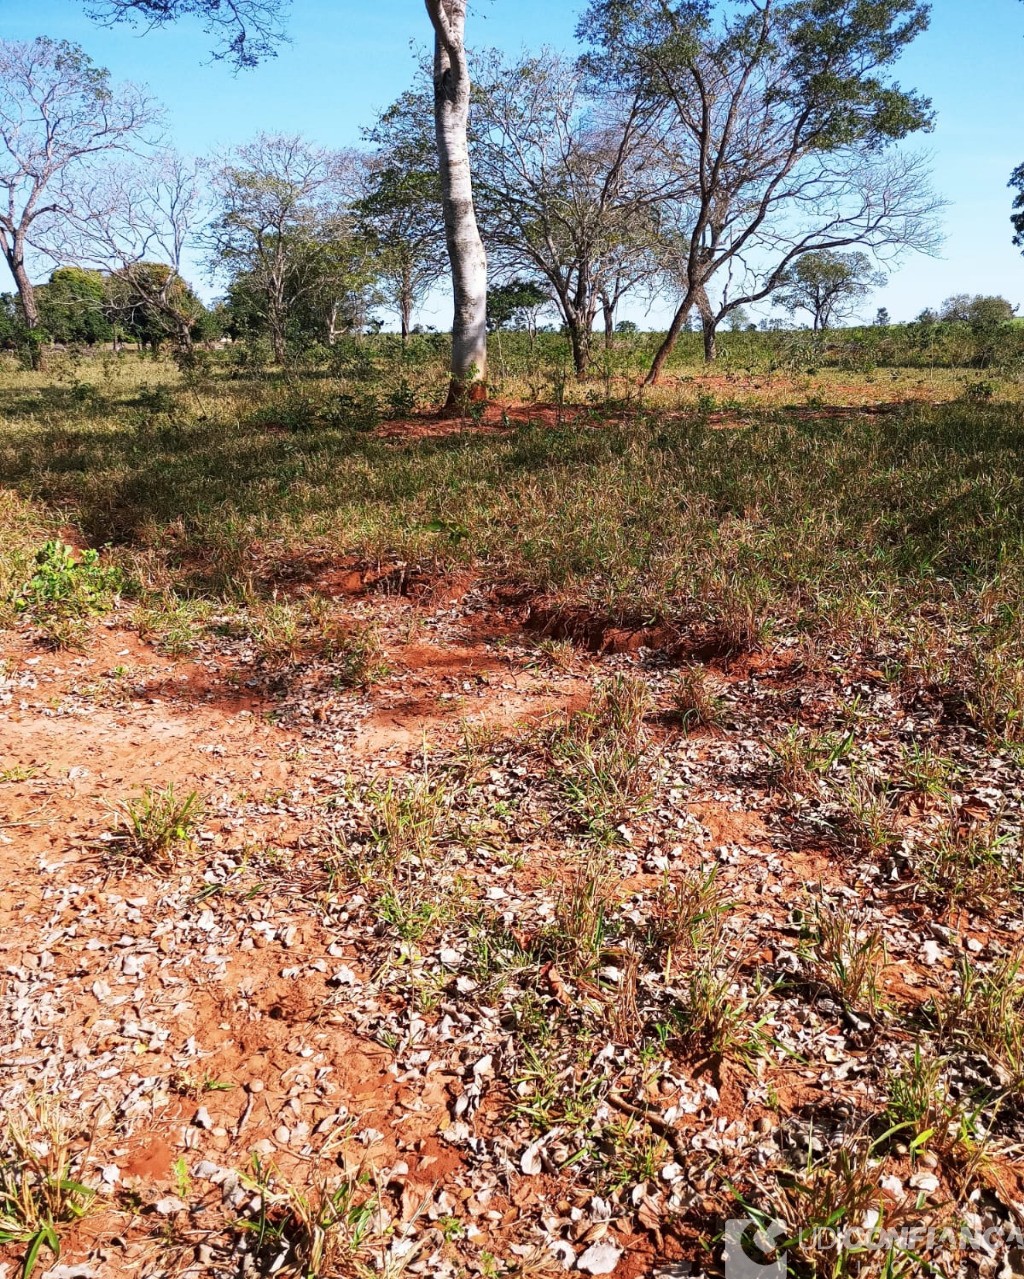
(248, 29)
(400, 211)
(782, 113)
(277, 195)
(140, 220)
(59, 118)
(568, 186)
(884, 203)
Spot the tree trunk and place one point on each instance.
(406, 306)
(15, 255)
(26, 292)
(277, 341)
(668, 346)
(709, 324)
(465, 247)
(579, 340)
(609, 323)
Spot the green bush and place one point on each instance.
(65, 589)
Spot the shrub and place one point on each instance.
(65, 590)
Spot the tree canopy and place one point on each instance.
(829, 286)
(784, 115)
(243, 31)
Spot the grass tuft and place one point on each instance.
(695, 704)
(41, 1187)
(601, 755)
(157, 825)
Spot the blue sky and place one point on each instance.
(347, 60)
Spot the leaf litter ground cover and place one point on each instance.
(465, 949)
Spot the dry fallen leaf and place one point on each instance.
(601, 1259)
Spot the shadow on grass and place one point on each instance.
(654, 506)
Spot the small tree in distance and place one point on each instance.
(399, 212)
(73, 306)
(519, 301)
(150, 303)
(59, 114)
(278, 195)
(979, 311)
(829, 286)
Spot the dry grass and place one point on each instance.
(41, 1186)
(333, 1225)
(600, 755)
(899, 527)
(695, 702)
(727, 512)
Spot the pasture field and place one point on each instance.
(518, 844)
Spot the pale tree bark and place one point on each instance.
(465, 247)
(277, 339)
(332, 324)
(405, 304)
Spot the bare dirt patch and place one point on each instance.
(413, 941)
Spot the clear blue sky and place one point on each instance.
(346, 60)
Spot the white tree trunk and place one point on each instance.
(465, 247)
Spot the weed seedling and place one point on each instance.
(157, 825)
(968, 864)
(922, 1114)
(685, 914)
(331, 1227)
(717, 1012)
(65, 590)
(575, 940)
(847, 959)
(694, 702)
